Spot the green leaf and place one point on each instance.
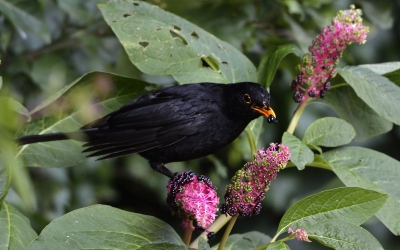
(354, 205)
(24, 22)
(370, 169)
(348, 106)
(14, 105)
(377, 91)
(68, 153)
(16, 231)
(278, 246)
(105, 227)
(203, 245)
(329, 132)
(6, 164)
(339, 234)
(300, 153)
(247, 240)
(270, 62)
(253, 131)
(382, 68)
(161, 43)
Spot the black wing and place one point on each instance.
(152, 121)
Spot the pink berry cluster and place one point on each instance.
(317, 67)
(243, 196)
(193, 198)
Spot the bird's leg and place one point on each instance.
(159, 167)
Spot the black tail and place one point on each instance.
(28, 139)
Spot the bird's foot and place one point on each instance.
(159, 167)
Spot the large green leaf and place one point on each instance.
(16, 231)
(270, 62)
(24, 22)
(247, 240)
(377, 91)
(354, 205)
(339, 234)
(161, 43)
(370, 169)
(382, 68)
(329, 132)
(68, 153)
(300, 154)
(348, 106)
(105, 227)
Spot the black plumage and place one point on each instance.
(177, 123)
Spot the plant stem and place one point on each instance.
(312, 164)
(187, 235)
(215, 227)
(227, 232)
(290, 237)
(296, 117)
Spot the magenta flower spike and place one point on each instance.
(317, 67)
(243, 196)
(194, 198)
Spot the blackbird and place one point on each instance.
(177, 123)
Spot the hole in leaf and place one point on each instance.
(177, 27)
(211, 62)
(144, 44)
(158, 28)
(126, 15)
(194, 34)
(204, 63)
(178, 35)
(136, 4)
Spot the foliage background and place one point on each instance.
(45, 45)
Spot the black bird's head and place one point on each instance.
(249, 101)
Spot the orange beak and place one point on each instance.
(264, 111)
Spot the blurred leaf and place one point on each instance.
(104, 227)
(348, 106)
(382, 68)
(370, 169)
(160, 43)
(16, 231)
(50, 73)
(203, 245)
(300, 153)
(253, 131)
(300, 35)
(329, 132)
(339, 234)
(380, 13)
(247, 240)
(24, 22)
(377, 91)
(22, 184)
(6, 163)
(14, 105)
(270, 62)
(352, 204)
(278, 246)
(68, 153)
(1, 80)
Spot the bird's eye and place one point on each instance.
(246, 99)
